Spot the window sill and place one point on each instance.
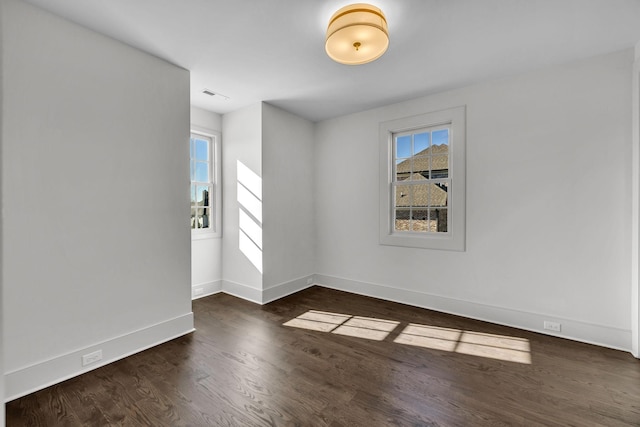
(447, 242)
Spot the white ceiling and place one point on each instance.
(273, 50)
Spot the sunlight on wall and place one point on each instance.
(249, 179)
(501, 347)
(250, 227)
(250, 215)
(250, 250)
(249, 202)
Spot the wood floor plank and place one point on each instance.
(244, 367)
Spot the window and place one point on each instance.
(422, 181)
(204, 194)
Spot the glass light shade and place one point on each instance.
(357, 34)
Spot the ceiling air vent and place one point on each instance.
(212, 93)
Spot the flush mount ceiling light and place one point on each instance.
(357, 34)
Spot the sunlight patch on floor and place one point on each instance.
(318, 321)
(500, 347)
(429, 337)
(344, 324)
(366, 327)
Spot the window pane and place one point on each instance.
(203, 217)
(202, 172)
(440, 166)
(202, 149)
(403, 196)
(439, 149)
(403, 169)
(421, 167)
(401, 176)
(202, 195)
(403, 146)
(439, 220)
(201, 175)
(441, 137)
(402, 220)
(420, 195)
(420, 220)
(439, 193)
(421, 143)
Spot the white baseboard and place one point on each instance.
(206, 289)
(32, 378)
(242, 291)
(264, 296)
(606, 336)
(281, 290)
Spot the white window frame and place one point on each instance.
(215, 223)
(454, 238)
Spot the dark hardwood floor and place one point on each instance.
(243, 367)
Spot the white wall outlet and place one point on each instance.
(198, 291)
(90, 358)
(309, 280)
(552, 326)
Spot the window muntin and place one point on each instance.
(421, 180)
(201, 149)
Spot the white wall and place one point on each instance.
(206, 253)
(206, 119)
(276, 146)
(635, 213)
(242, 132)
(2, 322)
(96, 248)
(287, 165)
(548, 179)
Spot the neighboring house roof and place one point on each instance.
(421, 194)
(438, 153)
(427, 194)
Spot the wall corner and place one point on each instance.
(635, 206)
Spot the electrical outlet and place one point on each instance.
(198, 291)
(309, 280)
(552, 326)
(90, 358)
